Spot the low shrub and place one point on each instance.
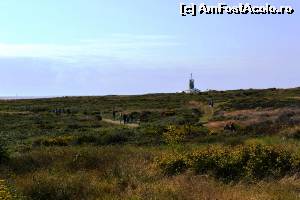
(4, 191)
(114, 138)
(91, 159)
(3, 153)
(173, 164)
(55, 187)
(180, 133)
(148, 134)
(33, 160)
(262, 128)
(111, 138)
(252, 162)
(174, 134)
(56, 141)
(250, 102)
(66, 158)
(87, 139)
(291, 132)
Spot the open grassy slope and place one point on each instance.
(175, 148)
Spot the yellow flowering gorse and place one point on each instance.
(4, 192)
(233, 163)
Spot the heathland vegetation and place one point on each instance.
(245, 146)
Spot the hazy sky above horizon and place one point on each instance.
(97, 47)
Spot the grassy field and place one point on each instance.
(175, 147)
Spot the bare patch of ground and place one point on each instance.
(194, 104)
(250, 116)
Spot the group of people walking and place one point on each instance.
(230, 127)
(123, 117)
(59, 111)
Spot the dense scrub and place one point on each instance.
(3, 153)
(250, 103)
(251, 162)
(5, 193)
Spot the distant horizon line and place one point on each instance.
(24, 97)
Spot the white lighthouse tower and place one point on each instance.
(192, 83)
(192, 89)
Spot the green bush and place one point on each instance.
(55, 141)
(250, 102)
(3, 153)
(66, 158)
(110, 137)
(253, 162)
(5, 193)
(175, 134)
(173, 164)
(89, 160)
(32, 161)
(54, 187)
(87, 139)
(180, 133)
(114, 138)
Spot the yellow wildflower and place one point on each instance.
(4, 192)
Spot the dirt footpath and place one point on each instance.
(132, 125)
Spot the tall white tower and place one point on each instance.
(192, 89)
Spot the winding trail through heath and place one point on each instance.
(131, 125)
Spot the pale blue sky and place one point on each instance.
(95, 47)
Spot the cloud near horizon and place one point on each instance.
(125, 48)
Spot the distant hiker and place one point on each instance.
(227, 127)
(125, 118)
(232, 127)
(211, 103)
(114, 114)
(131, 117)
(128, 119)
(121, 117)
